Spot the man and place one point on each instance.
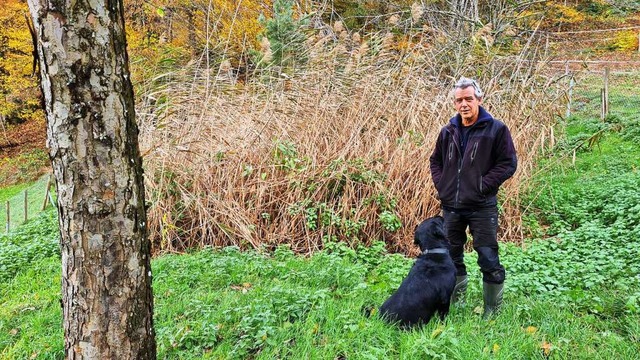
(474, 155)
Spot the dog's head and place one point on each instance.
(429, 234)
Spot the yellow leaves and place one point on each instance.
(495, 348)
(625, 41)
(531, 330)
(21, 89)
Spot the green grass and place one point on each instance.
(30, 314)
(229, 304)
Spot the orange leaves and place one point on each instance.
(545, 346)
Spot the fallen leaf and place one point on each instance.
(495, 348)
(546, 348)
(437, 332)
(478, 310)
(243, 288)
(14, 332)
(531, 330)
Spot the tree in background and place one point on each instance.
(17, 83)
(93, 144)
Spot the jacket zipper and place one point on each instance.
(473, 152)
(460, 162)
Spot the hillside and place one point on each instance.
(573, 295)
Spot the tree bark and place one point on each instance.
(93, 145)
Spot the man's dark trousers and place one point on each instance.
(483, 225)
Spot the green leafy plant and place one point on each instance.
(285, 156)
(36, 239)
(390, 221)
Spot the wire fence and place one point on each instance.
(603, 93)
(26, 205)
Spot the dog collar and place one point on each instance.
(435, 251)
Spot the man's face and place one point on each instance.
(466, 104)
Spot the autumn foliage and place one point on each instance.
(18, 84)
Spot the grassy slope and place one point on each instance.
(567, 296)
(573, 296)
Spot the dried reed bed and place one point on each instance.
(341, 140)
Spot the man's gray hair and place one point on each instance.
(464, 83)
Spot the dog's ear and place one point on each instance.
(415, 235)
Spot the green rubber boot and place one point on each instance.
(492, 294)
(460, 288)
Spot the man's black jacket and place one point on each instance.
(471, 180)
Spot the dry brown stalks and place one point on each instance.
(362, 124)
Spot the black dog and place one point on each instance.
(430, 283)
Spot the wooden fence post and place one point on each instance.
(571, 85)
(26, 206)
(8, 216)
(606, 91)
(602, 104)
(46, 193)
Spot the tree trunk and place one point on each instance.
(93, 145)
